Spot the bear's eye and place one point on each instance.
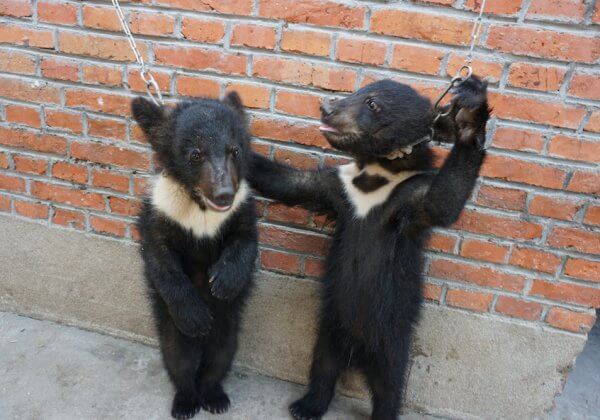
(235, 151)
(195, 156)
(372, 105)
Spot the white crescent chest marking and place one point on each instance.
(362, 201)
(170, 198)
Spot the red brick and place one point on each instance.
(23, 115)
(443, 243)
(285, 131)
(316, 12)
(4, 163)
(102, 75)
(30, 165)
(11, 183)
(518, 308)
(4, 203)
(70, 172)
(108, 103)
(474, 301)
(517, 139)
(296, 159)
(306, 42)
(530, 76)
(203, 30)
(110, 155)
(490, 69)
(585, 182)
(101, 18)
(17, 62)
(125, 207)
(417, 59)
(432, 292)
(67, 195)
(592, 216)
(38, 142)
(594, 122)
(483, 250)
(501, 198)
(534, 259)
(544, 43)
(566, 319)
(196, 86)
(253, 96)
(280, 261)
(504, 227)
(520, 108)
(31, 209)
(103, 178)
(137, 84)
(572, 238)
(583, 269)
(575, 149)
(109, 48)
(515, 170)
(200, 59)
(554, 207)
(21, 90)
(314, 267)
(355, 50)
(108, 226)
(16, 8)
(69, 218)
(141, 186)
(596, 15)
(255, 36)
(292, 71)
(18, 35)
(61, 13)
(64, 120)
(566, 292)
(498, 7)
(428, 27)
(60, 69)
(277, 212)
(585, 86)
(482, 276)
(106, 128)
(151, 23)
(302, 104)
(570, 10)
(233, 7)
(294, 240)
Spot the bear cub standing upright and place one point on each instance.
(199, 242)
(385, 203)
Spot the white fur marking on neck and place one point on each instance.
(364, 201)
(174, 201)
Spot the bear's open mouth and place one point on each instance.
(328, 129)
(216, 207)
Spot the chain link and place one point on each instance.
(477, 25)
(145, 73)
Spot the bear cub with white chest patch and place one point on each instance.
(385, 202)
(199, 242)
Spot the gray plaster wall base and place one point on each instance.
(463, 365)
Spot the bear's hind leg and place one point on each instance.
(386, 375)
(219, 351)
(326, 367)
(181, 356)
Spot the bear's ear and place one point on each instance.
(233, 100)
(147, 114)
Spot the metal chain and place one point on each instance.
(145, 74)
(475, 32)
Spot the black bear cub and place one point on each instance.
(385, 203)
(199, 242)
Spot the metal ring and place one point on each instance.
(459, 74)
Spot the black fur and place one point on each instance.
(372, 286)
(198, 284)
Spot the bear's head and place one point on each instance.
(376, 120)
(203, 145)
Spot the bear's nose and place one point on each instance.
(327, 106)
(224, 196)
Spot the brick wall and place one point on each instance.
(526, 247)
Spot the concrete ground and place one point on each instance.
(51, 371)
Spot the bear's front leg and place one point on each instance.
(233, 270)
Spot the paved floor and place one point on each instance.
(50, 371)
